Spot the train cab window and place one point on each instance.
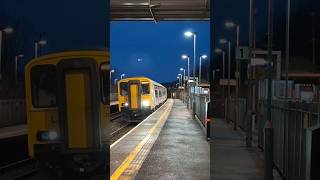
(104, 69)
(145, 86)
(160, 93)
(124, 89)
(44, 86)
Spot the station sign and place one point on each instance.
(226, 82)
(242, 53)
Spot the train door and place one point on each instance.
(79, 106)
(134, 95)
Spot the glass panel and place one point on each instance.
(124, 89)
(44, 86)
(145, 88)
(105, 69)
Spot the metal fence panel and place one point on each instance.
(289, 134)
(12, 112)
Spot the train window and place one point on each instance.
(160, 93)
(44, 86)
(145, 87)
(104, 71)
(156, 92)
(123, 89)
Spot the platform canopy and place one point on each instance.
(159, 10)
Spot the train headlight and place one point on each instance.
(145, 103)
(126, 104)
(47, 135)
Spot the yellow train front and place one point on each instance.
(68, 111)
(139, 96)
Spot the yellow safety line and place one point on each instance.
(137, 149)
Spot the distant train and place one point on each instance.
(140, 96)
(68, 110)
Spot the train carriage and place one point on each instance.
(140, 96)
(68, 109)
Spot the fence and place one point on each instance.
(290, 135)
(12, 112)
(201, 107)
(232, 115)
(113, 97)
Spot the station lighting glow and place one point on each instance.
(126, 104)
(181, 69)
(184, 56)
(112, 70)
(8, 30)
(42, 42)
(204, 56)
(218, 50)
(223, 41)
(230, 24)
(188, 34)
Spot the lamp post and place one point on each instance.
(188, 85)
(184, 56)
(194, 34)
(184, 76)
(111, 71)
(115, 81)
(230, 25)
(37, 44)
(181, 79)
(201, 57)
(178, 77)
(16, 58)
(6, 30)
(218, 50)
(122, 75)
(224, 41)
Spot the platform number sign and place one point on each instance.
(242, 53)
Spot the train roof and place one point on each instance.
(141, 78)
(70, 54)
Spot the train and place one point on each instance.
(139, 96)
(67, 104)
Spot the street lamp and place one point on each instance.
(111, 71)
(178, 77)
(181, 79)
(201, 57)
(194, 34)
(115, 81)
(230, 25)
(220, 51)
(17, 57)
(184, 56)
(184, 76)
(37, 44)
(122, 75)
(6, 30)
(224, 41)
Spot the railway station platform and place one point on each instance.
(169, 144)
(13, 131)
(231, 159)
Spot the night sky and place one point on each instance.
(65, 24)
(160, 47)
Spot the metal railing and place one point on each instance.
(201, 107)
(113, 97)
(290, 139)
(12, 112)
(232, 109)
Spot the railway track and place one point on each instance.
(23, 169)
(115, 116)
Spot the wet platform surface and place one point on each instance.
(231, 159)
(169, 144)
